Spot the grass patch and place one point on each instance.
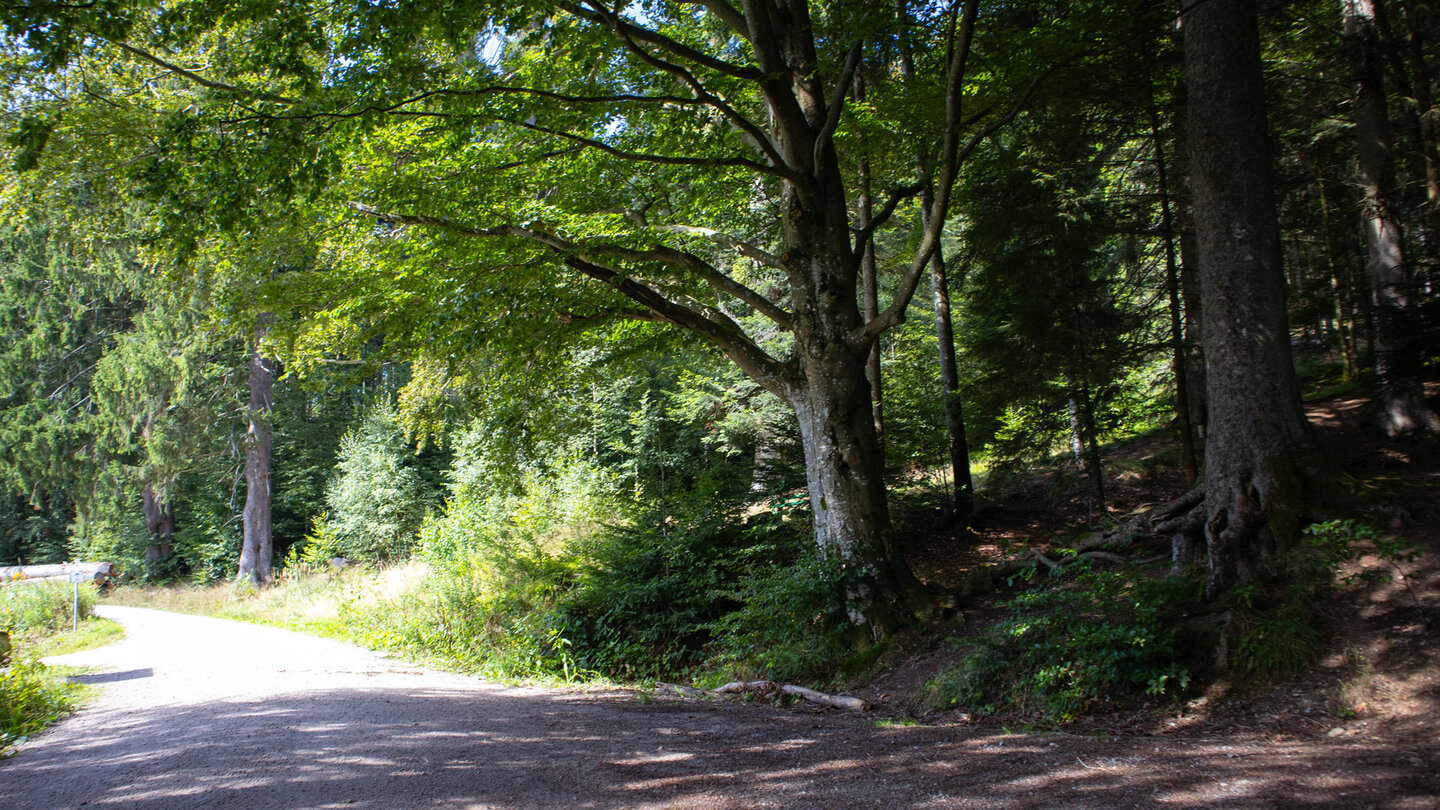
(94, 632)
(32, 609)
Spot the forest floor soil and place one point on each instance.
(1377, 675)
(198, 712)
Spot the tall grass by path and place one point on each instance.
(39, 617)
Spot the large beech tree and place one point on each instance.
(689, 163)
(762, 111)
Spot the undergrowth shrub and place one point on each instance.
(31, 697)
(499, 559)
(1068, 644)
(699, 589)
(533, 583)
(788, 624)
(1065, 645)
(1280, 610)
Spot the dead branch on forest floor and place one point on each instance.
(773, 689)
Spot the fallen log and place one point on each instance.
(772, 688)
(103, 574)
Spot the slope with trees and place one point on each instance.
(640, 276)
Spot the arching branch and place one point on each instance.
(598, 14)
(717, 327)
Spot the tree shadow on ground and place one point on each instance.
(457, 748)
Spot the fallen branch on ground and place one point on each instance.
(773, 688)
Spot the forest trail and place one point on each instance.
(197, 712)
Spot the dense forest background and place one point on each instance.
(518, 292)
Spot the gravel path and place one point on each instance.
(202, 713)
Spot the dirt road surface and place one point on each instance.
(202, 713)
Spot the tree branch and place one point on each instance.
(955, 156)
(727, 13)
(761, 367)
(665, 43)
(702, 94)
(201, 80)
(398, 107)
(948, 171)
(661, 254)
(894, 197)
(744, 248)
(666, 160)
(837, 103)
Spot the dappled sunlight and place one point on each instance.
(460, 747)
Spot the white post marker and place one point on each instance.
(76, 577)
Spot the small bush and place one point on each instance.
(788, 624)
(645, 599)
(1281, 608)
(31, 697)
(1065, 646)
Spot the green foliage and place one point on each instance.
(376, 496)
(1280, 609)
(41, 607)
(35, 534)
(662, 596)
(787, 624)
(32, 696)
(208, 531)
(1065, 646)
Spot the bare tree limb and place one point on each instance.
(837, 103)
(773, 688)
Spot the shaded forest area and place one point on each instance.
(691, 340)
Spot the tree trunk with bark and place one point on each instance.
(1260, 455)
(257, 551)
(870, 283)
(159, 526)
(1400, 408)
(959, 446)
(1194, 324)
